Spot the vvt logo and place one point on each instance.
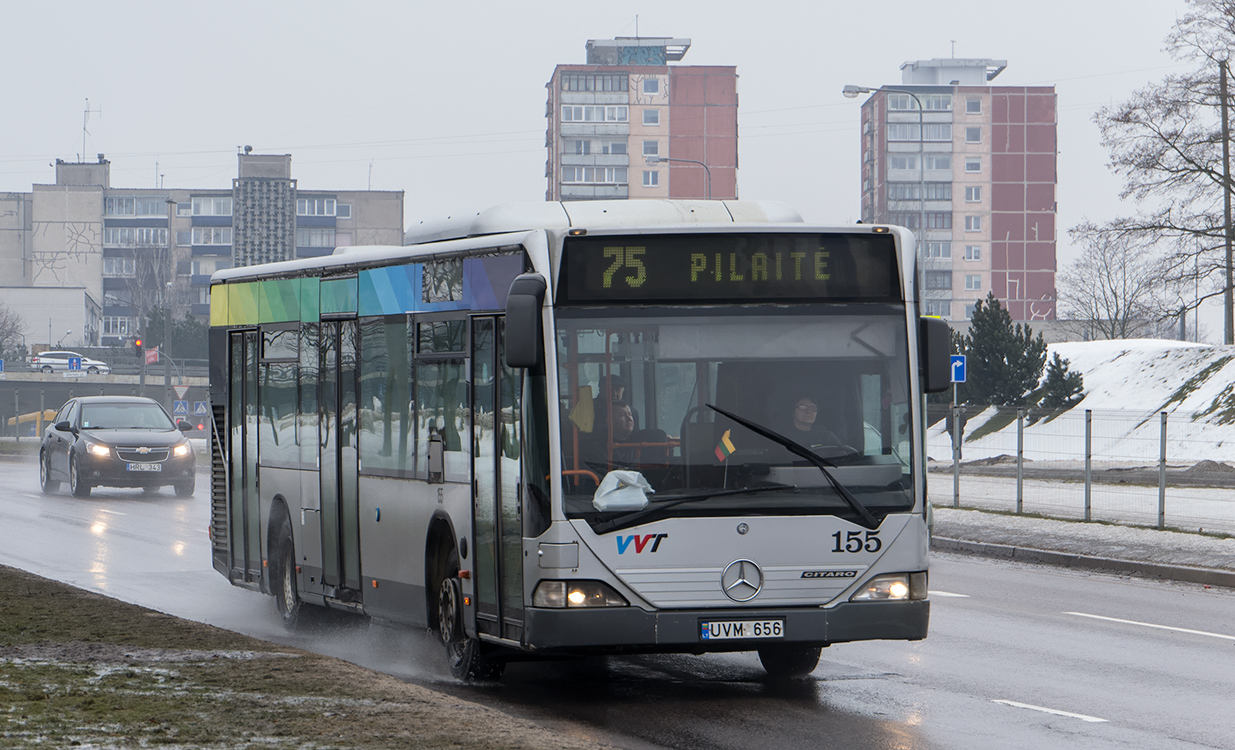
(640, 542)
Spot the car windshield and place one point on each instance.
(644, 390)
(124, 417)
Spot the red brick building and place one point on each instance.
(971, 169)
(629, 125)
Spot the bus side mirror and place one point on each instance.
(525, 341)
(935, 353)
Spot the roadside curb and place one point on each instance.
(1207, 576)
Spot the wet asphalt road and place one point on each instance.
(1018, 656)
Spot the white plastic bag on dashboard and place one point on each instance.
(622, 490)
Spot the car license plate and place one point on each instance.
(720, 630)
(145, 467)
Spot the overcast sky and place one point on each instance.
(446, 101)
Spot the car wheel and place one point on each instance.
(92, 371)
(463, 653)
(286, 590)
(48, 484)
(185, 488)
(788, 661)
(46, 368)
(77, 485)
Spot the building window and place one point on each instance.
(343, 211)
(938, 279)
(973, 223)
(969, 311)
(973, 194)
(898, 161)
(942, 308)
(651, 148)
(184, 237)
(932, 102)
(119, 267)
(207, 266)
(594, 82)
(593, 114)
(938, 219)
(651, 178)
(973, 252)
(973, 282)
(134, 207)
(651, 117)
(939, 249)
(973, 106)
(212, 206)
(577, 147)
(613, 147)
(910, 219)
(184, 209)
(117, 325)
(938, 161)
(973, 135)
(314, 236)
(212, 235)
(651, 85)
(908, 131)
(134, 236)
(315, 206)
(594, 175)
(973, 164)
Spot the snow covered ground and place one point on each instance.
(1128, 384)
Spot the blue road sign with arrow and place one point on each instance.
(958, 368)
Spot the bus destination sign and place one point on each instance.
(730, 268)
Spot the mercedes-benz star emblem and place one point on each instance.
(742, 580)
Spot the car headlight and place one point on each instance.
(573, 594)
(101, 451)
(893, 587)
(181, 450)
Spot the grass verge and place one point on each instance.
(81, 670)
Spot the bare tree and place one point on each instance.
(1165, 141)
(12, 342)
(1115, 289)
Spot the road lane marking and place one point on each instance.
(113, 512)
(947, 594)
(1052, 711)
(1151, 625)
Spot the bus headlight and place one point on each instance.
(893, 587)
(102, 451)
(572, 594)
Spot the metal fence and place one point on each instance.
(1158, 469)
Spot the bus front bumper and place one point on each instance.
(634, 629)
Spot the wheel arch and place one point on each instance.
(440, 541)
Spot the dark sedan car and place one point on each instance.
(116, 441)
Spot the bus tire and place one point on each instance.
(286, 591)
(46, 483)
(789, 660)
(462, 652)
(77, 485)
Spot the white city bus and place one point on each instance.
(593, 427)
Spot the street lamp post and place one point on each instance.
(167, 307)
(658, 159)
(851, 92)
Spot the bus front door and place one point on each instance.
(245, 512)
(497, 516)
(340, 523)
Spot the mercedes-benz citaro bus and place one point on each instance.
(595, 427)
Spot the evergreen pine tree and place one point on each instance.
(1061, 389)
(1004, 362)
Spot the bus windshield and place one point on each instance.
(638, 387)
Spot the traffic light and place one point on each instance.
(137, 348)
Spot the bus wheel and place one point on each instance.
(783, 661)
(286, 593)
(47, 484)
(463, 653)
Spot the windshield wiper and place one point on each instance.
(632, 519)
(865, 518)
